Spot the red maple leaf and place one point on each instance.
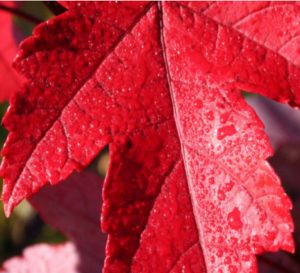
(188, 187)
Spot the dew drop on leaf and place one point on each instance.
(226, 131)
(221, 195)
(233, 269)
(227, 260)
(234, 219)
(198, 104)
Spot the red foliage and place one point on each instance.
(188, 187)
(77, 216)
(10, 80)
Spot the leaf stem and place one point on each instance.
(21, 14)
(54, 7)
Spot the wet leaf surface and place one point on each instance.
(188, 187)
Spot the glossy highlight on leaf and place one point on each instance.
(188, 187)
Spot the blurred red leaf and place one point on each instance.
(278, 263)
(43, 258)
(282, 123)
(9, 79)
(73, 207)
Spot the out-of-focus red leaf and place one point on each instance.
(43, 258)
(9, 79)
(278, 263)
(188, 187)
(73, 207)
(282, 123)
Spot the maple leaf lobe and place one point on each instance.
(132, 74)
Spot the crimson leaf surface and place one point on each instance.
(188, 187)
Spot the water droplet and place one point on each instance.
(227, 260)
(226, 131)
(221, 195)
(224, 117)
(220, 240)
(211, 180)
(229, 186)
(234, 219)
(199, 104)
(219, 253)
(233, 269)
(233, 240)
(246, 258)
(271, 235)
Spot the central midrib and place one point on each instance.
(176, 119)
